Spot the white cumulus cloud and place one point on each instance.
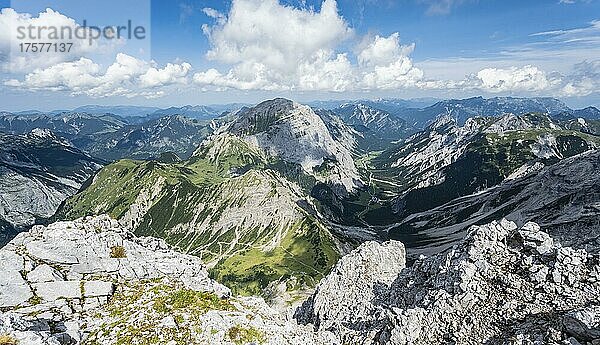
(267, 32)
(526, 78)
(385, 64)
(170, 74)
(49, 27)
(270, 46)
(584, 80)
(127, 76)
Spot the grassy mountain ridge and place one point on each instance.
(222, 205)
(447, 161)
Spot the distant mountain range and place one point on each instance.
(419, 113)
(463, 109)
(329, 206)
(121, 110)
(193, 111)
(416, 112)
(390, 105)
(378, 127)
(113, 137)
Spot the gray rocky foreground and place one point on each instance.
(60, 285)
(501, 285)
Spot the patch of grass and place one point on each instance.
(242, 335)
(127, 297)
(306, 253)
(6, 339)
(186, 299)
(234, 157)
(118, 252)
(35, 300)
(135, 314)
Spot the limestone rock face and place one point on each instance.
(501, 285)
(90, 281)
(343, 301)
(52, 274)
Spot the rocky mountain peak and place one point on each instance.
(43, 133)
(296, 134)
(365, 115)
(444, 122)
(260, 117)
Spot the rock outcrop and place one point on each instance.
(68, 268)
(90, 281)
(501, 285)
(343, 301)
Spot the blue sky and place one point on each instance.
(250, 50)
(472, 28)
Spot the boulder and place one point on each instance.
(14, 290)
(44, 273)
(51, 291)
(347, 300)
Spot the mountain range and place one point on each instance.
(363, 221)
(113, 137)
(447, 161)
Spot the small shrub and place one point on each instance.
(35, 300)
(6, 339)
(118, 252)
(241, 335)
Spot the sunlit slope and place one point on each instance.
(226, 205)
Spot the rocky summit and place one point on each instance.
(501, 285)
(89, 281)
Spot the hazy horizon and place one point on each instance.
(213, 52)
